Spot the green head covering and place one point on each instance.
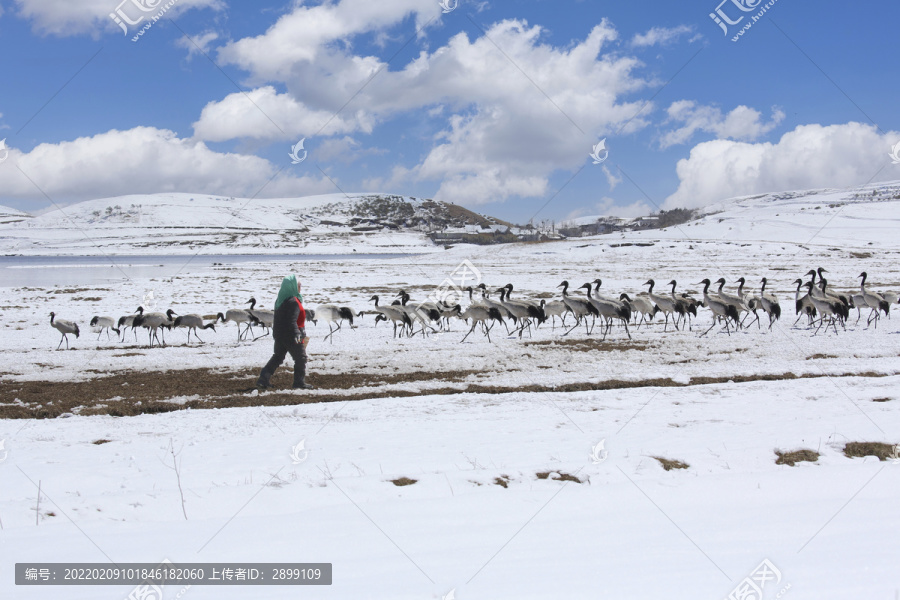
(288, 290)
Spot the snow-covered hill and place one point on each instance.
(837, 217)
(11, 215)
(187, 223)
(383, 223)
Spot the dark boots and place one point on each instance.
(300, 376)
(298, 353)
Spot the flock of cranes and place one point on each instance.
(820, 304)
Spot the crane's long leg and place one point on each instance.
(822, 320)
(577, 323)
(715, 320)
(474, 324)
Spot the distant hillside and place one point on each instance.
(11, 215)
(821, 217)
(186, 223)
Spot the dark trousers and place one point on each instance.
(297, 352)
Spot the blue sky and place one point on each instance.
(494, 105)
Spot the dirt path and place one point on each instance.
(138, 392)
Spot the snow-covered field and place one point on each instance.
(513, 497)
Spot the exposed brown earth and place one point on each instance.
(137, 392)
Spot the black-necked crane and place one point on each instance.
(238, 316)
(65, 328)
(266, 318)
(535, 309)
(874, 301)
(769, 303)
(736, 301)
(448, 311)
(720, 309)
(553, 309)
(683, 307)
(535, 305)
(598, 282)
(480, 315)
(750, 301)
(487, 301)
(803, 304)
(825, 307)
(666, 304)
(334, 315)
(474, 301)
(842, 301)
(424, 313)
(193, 322)
(609, 310)
(642, 305)
(521, 311)
(580, 308)
(128, 321)
(153, 321)
(831, 294)
(392, 313)
(99, 323)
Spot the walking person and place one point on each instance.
(289, 332)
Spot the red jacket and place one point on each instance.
(301, 320)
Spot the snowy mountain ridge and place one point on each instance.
(179, 223)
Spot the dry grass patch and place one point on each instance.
(403, 481)
(591, 344)
(101, 441)
(669, 464)
(502, 481)
(820, 357)
(560, 476)
(792, 458)
(860, 449)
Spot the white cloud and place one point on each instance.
(611, 178)
(197, 44)
(484, 153)
(661, 36)
(810, 156)
(142, 160)
(742, 123)
(303, 34)
(265, 114)
(487, 154)
(64, 17)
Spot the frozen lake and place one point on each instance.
(48, 271)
